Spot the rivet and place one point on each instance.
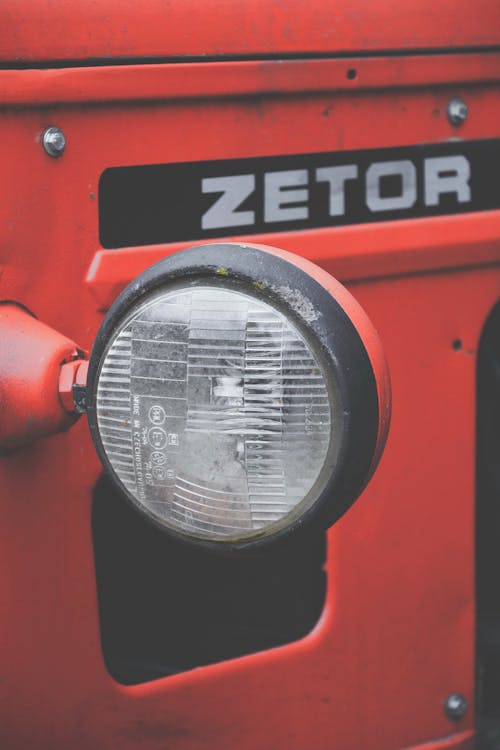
(457, 111)
(54, 141)
(455, 706)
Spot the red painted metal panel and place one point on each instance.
(36, 30)
(396, 635)
(249, 78)
(350, 253)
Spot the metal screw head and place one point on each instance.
(455, 706)
(54, 141)
(457, 111)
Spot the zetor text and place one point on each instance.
(288, 195)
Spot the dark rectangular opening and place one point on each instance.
(488, 536)
(166, 607)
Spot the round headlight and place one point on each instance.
(232, 398)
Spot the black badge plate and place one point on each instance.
(160, 203)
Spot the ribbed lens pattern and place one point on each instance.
(213, 412)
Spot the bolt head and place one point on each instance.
(457, 111)
(455, 706)
(54, 141)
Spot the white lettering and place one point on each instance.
(235, 189)
(283, 196)
(278, 195)
(336, 178)
(404, 169)
(446, 174)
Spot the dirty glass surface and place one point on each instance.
(214, 412)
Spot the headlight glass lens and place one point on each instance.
(215, 413)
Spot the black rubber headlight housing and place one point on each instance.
(237, 393)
